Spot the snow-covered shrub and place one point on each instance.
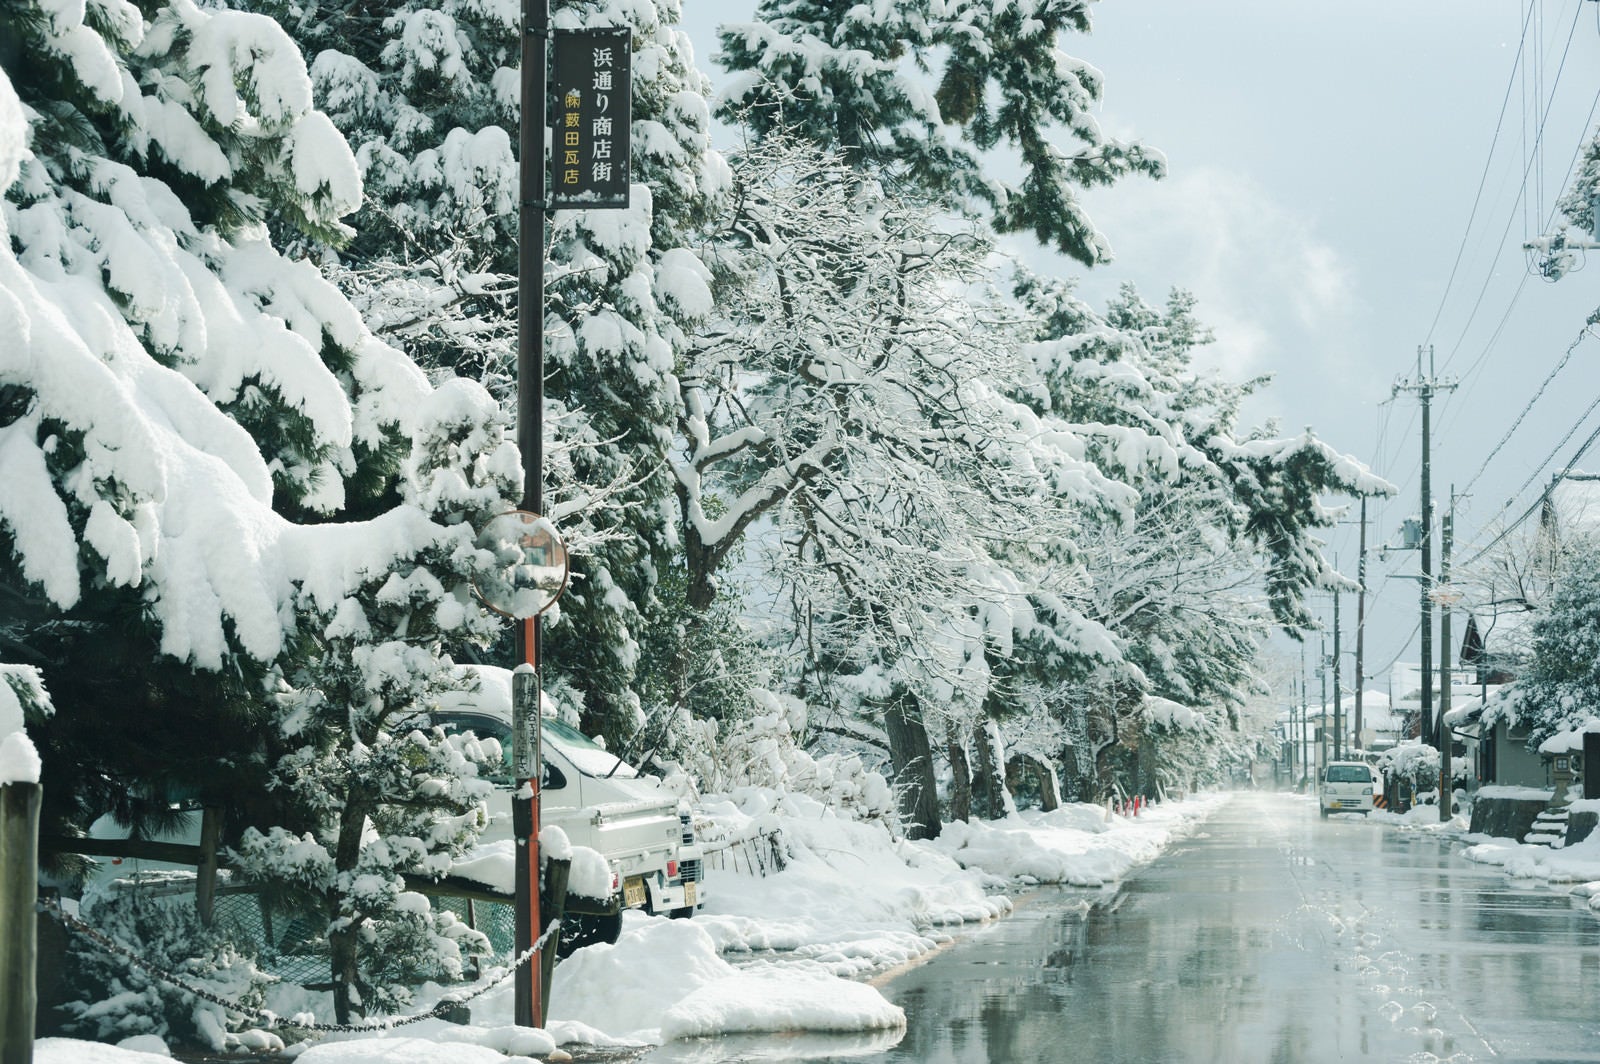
(1417, 764)
(764, 751)
(112, 999)
(399, 804)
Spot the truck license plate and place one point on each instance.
(688, 894)
(633, 892)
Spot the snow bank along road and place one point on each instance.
(1270, 935)
(793, 951)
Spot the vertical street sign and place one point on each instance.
(591, 97)
(589, 106)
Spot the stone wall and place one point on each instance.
(1507, 818)
(1580, 826)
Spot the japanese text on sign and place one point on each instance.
(592, 105)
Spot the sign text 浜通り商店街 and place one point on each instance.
(593, 98)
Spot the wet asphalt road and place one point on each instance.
(1271, 935)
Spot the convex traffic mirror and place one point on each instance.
(525, 570)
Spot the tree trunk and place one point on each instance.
(19, 926)
(961, 785)
(1075, 782)
(343, 943)
(912, 760)
(983, 775)
(989, 795)
(1049, 789)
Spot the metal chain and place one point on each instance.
(268, 1019)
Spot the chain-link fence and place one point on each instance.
(496, 920)
(292, 947)
(305, 1023)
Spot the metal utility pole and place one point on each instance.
(1338, 693)
(1322, 717)
(1425, 389)
(1446, 787)
(1361, 620)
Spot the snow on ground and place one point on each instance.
(786, 952)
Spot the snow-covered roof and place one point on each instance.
(1572, 506)
(1470, 709)
(1504, 704)
(1382, 717)
(1571, 740)
(1405, 681)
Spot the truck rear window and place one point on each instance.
(1349, 774)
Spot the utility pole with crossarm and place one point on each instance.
(1425, 388)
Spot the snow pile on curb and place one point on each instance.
(1577, 866)
(1074, 845)
(665, 979)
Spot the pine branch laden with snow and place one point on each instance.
(22, 695)
(428, 92)
(919, 92)
(206, 447)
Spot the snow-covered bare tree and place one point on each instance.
(842, 401)
(1560, 688)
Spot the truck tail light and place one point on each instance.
(672, 869)
(616, 884)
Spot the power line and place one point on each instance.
(1494, 338)
(1528, 407)
(1482, 180)
(1522, 198)
(1579, 453)
(1405, 644)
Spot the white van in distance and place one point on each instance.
(1347, 787)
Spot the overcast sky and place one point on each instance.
(1325, 160)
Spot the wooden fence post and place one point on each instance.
(205, 883)
(556, 875)
(19, 922)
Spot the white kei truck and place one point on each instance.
(643, 830)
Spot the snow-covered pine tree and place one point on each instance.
(153, 332)
(920, 92)
(1180, 582)
(428, 92)
(172, 393)
(1561, 685)
(921, 96)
